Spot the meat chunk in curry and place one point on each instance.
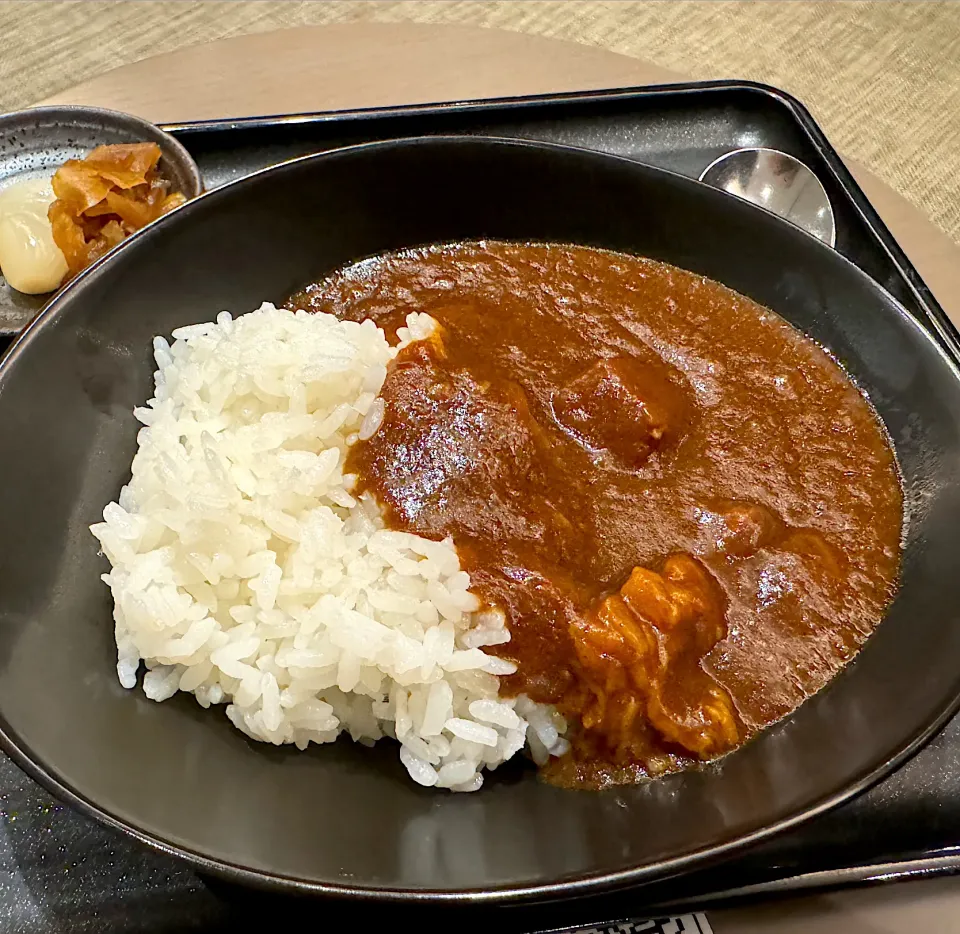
(641, 651)
(621, 408)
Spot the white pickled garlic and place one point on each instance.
(29, 259)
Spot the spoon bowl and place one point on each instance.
(778, 182)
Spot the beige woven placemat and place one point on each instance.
(883, 78)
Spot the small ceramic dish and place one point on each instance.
(37, 141)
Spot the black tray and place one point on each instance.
(63, 874)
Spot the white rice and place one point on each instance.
(245, 572)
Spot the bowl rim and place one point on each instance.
(513, 893)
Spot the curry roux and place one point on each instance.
(688, 513)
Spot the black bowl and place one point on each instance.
(344, 819)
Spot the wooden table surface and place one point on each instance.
(882, 78)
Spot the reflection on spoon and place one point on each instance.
(778, 182)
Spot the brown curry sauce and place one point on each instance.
(689, 514)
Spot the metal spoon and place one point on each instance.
(778, 182)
